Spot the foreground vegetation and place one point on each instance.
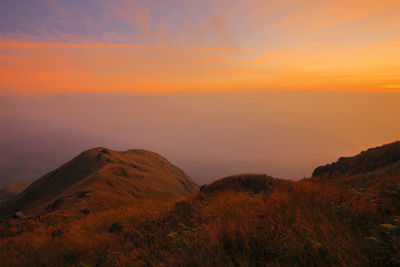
(352, 221)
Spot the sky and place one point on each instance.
(176, 46)
(216, 86)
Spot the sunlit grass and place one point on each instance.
(341, 222)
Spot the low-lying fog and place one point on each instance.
(283, 134)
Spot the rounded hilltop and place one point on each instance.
(100, 179)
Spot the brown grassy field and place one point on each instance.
(100, 179)
(349, 221)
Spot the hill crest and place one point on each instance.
(102, 178)
(253, 183)
(366, 161)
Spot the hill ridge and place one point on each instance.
(366, 161)
(98, 178)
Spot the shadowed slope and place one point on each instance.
(100, 179)
(253, 183)
(241, 220)
(366, 161)
(12, 190)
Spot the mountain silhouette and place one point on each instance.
(367, 161)
(253, 183)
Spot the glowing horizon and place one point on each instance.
(150, 47)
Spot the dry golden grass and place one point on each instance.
(350, 221)
(100, 179)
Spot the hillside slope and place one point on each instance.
(366, 161)
(253, 183)
(240, 220)
(100, 179)
(346, 221)
(12, 190)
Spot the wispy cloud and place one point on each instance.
(191, 46)
(61, 67)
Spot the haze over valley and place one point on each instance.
(283, 134)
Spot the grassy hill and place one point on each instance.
(366, 161)
(241, 220)
(253, 183)
(100, 179)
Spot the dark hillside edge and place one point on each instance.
(366, 161)
(253, 183)
(12, 190)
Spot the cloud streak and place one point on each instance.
(192, 46)
(52, 67)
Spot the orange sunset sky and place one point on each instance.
(158, 46)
